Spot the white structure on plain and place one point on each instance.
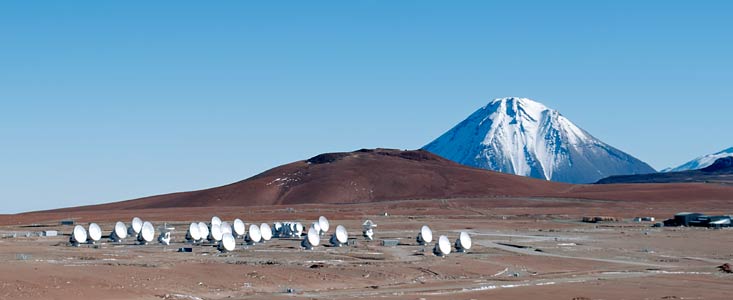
(442, 247)
(277, 229)
(463, 243)
(135, 226)
(215, 220)
(323, 224)
(239, 229)
(147, 233)
(215, 234)
(203, 231)
(193, 235)
(226, 227)
(253, 235)
(340, 237)
(312, 239)
(425, 236)
(265, 232)
(368, 229)
(119, 233)
(95, 233)
(78, 236)
(165, 234)
(227, 243)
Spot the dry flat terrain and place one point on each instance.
(524, 248)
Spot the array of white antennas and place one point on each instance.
(287, 229)
(119, 233)
(368, 229)
(254, 235)
(443, 245)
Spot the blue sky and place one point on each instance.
(105, 101)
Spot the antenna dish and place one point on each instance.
(253, 236)
(340, 237)
(368, 229)
(135, 226)
(266, 232)
(147, 233)
(215, 220)
(203, 230)
(78, 236)
(238, 228)
(298, 229)
(317, 227)
(323, 224)
(165, 238)
(226, 227)
(95, 233)
(443, 247)
(227, 243)
(425, 236)
(215, 235)
(312, 239)
(463, 243)
(193, 234)
(277, 229)
(119, 233)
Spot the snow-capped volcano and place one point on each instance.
(524, 137)
(702, 161)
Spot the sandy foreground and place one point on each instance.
(523, 249)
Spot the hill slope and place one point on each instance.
(702, 161)
(721, 171)
(523, 137)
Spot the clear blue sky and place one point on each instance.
(105, 101)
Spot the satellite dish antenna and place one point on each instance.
(226, 227)
(425, 236)
(368, 229)
(227, 243)
(147, 233)
(119, 233)
(317, 227)
(265, 232)
(277, 228)
(165, 234)
(253, 236)
(95, 233)
(193, 235)
(443, 247)
(78, 236)
(203, 230)
(135, 226)
(215, 235)
(298, 230)
(463, 243)
(340, 237)
(312, 239)
(215, 220)
(323, 224)
(239, 228)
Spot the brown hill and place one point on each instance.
(385, 174)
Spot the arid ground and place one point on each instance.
(523, 248)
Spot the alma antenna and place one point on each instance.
(238, 228)
(323, 224)
(277, 228)
(265, 232)
(119, 233)
(312, 239)
(368, 229)
(165, 234)
(340, 237)
(193, 235)
(135, 226)
(443, 247)
(215, 220)
(298, 229)
(78, 236)
(226, 227)
(463, 243)
(227, 243)
(253, 236)
(215, 235)
(147, 233)
(95, 233)
(425, 236)
(203, 230)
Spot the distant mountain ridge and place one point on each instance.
(702, 161)
(721, 171)
(524, 137)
